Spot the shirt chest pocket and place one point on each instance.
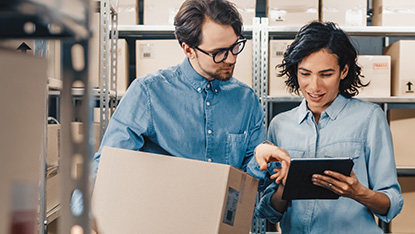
(236, 145)
(342, 150)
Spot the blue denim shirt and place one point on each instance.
(347, 128)
(178, 112)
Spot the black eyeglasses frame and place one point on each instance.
(241, 39)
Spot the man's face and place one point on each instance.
(214, 38)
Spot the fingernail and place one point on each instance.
(326, 172)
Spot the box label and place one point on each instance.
(230, 208)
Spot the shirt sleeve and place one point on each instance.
(257, 133)
(264, 210)
(381, 163)
(263, 176)
(130, 122)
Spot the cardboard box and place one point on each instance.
(78, 133)
(402, 124)
(152, 56)
(22, 139)
(170, 195)
(243, 67)
(52, 188)
(53, 144)
(128, 12)
(160, 12)
(276, 84)
(393, 13)
(247, 9)
(93, 55)
(404, 222)
(344, 13)
(376, 69)
(122, 67)
(403, 80)
(291, 13)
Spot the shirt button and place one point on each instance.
(216, 90)
(209, 131)
(208, 86)
(208, 103)
(198, 89)
(209, 160)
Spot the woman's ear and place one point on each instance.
(190, 52)
(345, 71)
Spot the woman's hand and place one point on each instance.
(346, 186)
(267, 152)
(349, 186)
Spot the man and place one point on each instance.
(195, 109)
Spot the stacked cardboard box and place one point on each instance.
(160, 12)
(291, 13)
(344, 13)
(276, 84)
(376, 70)
(404, 222)
(393, 13)
(403, 80)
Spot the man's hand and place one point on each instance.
(267, 152)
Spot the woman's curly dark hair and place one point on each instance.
(314, 37)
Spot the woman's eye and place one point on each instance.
(326, 74)
(304, 74)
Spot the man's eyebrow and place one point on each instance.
(218, 49)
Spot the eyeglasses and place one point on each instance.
(222, 54)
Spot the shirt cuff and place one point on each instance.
(264, 209)
(395, 207)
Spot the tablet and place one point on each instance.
(299, 185)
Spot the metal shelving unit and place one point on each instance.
(68, 21)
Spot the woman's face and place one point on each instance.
(319, 78)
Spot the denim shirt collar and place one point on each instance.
(332, 111)
(198, 82)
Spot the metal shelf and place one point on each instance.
(389, 100)
(32, 19)
(379, 31)
(158, 31)
(79, 92)
(53, 214)
(406, 171)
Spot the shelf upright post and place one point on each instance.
(104, 68)
(264, 67)
(114, 62)
(256, 60)
(74, 163)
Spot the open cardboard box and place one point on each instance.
(138, 192)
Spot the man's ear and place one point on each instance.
(345, 71)
(190, 52)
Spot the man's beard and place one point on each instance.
(217, 76)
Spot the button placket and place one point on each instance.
(209, 123)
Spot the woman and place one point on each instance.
(321, 63)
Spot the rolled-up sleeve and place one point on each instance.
(381, 163)
(264, 209)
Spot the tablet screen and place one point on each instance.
(299, 185)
